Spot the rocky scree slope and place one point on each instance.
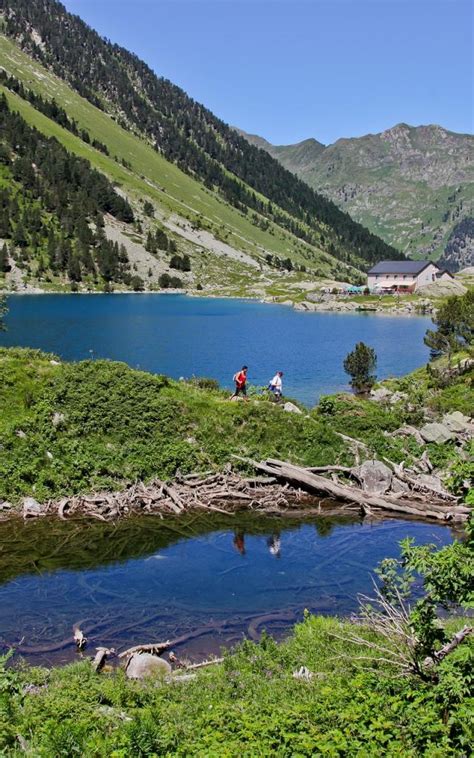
(185, 132)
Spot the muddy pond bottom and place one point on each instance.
(203, 583)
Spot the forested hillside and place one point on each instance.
(51, 208)
(185, 132)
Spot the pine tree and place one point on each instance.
(19, 236)
(4, 259)
(360, 365)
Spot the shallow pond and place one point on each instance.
(201, 582)
(185, 336)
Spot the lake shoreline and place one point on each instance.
(343, 307)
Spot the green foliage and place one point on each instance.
(250, 705)
(121, 424)
(204, 382)
(455, 325)
(360, 365)
(48, 212)
(447, 576)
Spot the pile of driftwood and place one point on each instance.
(416, 498)
(224, 492)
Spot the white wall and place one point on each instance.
(387, 281)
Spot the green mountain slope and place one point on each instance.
(413, 186)
(129, 95)
(229, 249)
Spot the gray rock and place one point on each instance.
(376, 476)
(397, 397)
(31, 508)
(55, 363)
(381, 395)
(291, 408)
(144, 665)
(5, 505)
(58, 419)
(457, 422)
(399, 486)
(431, 481)
(438, 433)
(21, 434)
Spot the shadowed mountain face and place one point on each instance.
(413, 186)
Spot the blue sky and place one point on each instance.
(291, 69)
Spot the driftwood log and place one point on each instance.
(285, 489)
(297, 476)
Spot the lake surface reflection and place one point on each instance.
(201, 582)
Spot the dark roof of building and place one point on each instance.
(444, 271)
(400, 267)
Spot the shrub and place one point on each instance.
(360, 365)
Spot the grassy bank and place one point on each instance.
(70, 427)
(76, 427)
(252, 705)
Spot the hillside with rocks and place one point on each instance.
(413, 186)
(204, 202)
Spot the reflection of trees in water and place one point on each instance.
(324, 526)
(50, 545)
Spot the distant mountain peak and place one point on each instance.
(411, 185)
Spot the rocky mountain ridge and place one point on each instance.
(413, 186)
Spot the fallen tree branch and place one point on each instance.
(441, 654)
(299, 476)
(156, 648)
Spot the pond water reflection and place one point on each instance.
(202, 582)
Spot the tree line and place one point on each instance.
(52, 205)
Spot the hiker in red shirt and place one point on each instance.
(240, 379)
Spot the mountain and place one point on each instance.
(241, 217)
(413, 186)
(296, 158)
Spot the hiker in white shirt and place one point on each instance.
(276, 386)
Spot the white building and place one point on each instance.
(404, 276)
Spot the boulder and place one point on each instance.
(438, 433)
(457, 422)
(144, 665)
(291, 408)
(432, 481)
(31, 508)
(58, 419)
(381, 395)
(376, 476)
(399, 486)
(397, 397)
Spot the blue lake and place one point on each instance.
(182, 336)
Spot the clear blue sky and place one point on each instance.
(291, 69)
